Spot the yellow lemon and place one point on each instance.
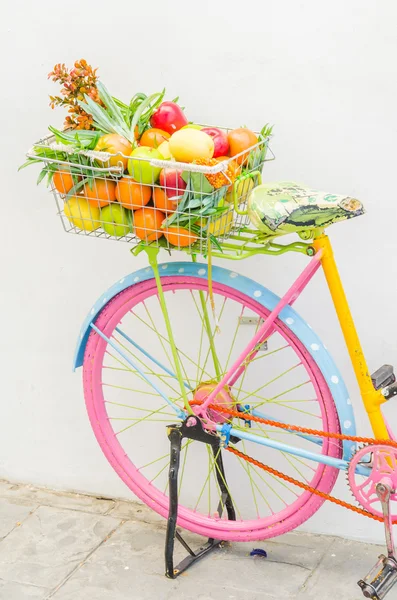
(187, 145)
(222, 225)
(243, 188)
(81, 213)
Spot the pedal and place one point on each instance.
(380, 579)
(383, 377)
(383, 576)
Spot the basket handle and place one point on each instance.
(234, 190)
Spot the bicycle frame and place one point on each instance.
(322, 256)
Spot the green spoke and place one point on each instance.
(153, 412)
(237, 329)
(244, 466)
(271, 400)
(251, 481)
(271, 381)
(209, 349)
(128, 389)
(228, 490)
(207, 478)
(151, 371)
(163, 338)
(136, 407)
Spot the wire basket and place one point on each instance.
(146, 199)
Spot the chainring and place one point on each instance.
(380, 462)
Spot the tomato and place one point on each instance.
(188, 145)
(99, 192)
(179, 236)
(63, 180)
(162, 202)
(169, 117)
(132, 194)
(153, 137)
(147, 223)
(114, 144)
(239, 140)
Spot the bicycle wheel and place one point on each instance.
(129, 416)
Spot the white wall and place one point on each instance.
(323, 73)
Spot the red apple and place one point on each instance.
(172, 182)
(220, 139)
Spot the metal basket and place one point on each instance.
(96, 195)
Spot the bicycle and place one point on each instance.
(190, 368)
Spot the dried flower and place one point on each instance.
(80, 80)
(220, 179)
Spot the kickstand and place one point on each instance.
(383, 575)
(191, 429)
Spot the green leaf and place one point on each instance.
(199, 182)
(30, 161)
(113, 110)
(42, 174)
(76, 188)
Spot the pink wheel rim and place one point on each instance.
(253, 529)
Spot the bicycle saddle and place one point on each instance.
(287, 207)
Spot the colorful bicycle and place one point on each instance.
(212, 399)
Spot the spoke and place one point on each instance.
(235, 336)
(271, 381)
(138, 408)
(244, 466)
(228, 490)
(207, 478)
(163, 338)
(271, 400)
(128, 389)
(209, 349)
(153, 412)
(151, 371)
(251, 481)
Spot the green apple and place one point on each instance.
(139, 166)
(191, 126)
(116, 220)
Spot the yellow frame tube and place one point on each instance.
(372, 398)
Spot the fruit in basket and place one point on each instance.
(114, 144)
(232, 166)
(192, 126)
(222, 225)
(188, 145)
(164, 150)
(153, 137)
(221, 142)
(116, 220)
(169, 117)
(172, 182)
(63, 180)
(239, 140)
(243, 188)
(81, 213)
(99, 192)
(162, 202)
(180, 237)
(139, 166)
(131, 194)
(147, 223)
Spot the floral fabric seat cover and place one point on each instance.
(287, 207)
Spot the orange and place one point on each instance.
(147, 223)
(63, 180)
(239, 140)
(154, 137)
(162, 202)
(178, 236)
(131, 194)
(100, 192)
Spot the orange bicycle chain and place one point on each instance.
(315, 432)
